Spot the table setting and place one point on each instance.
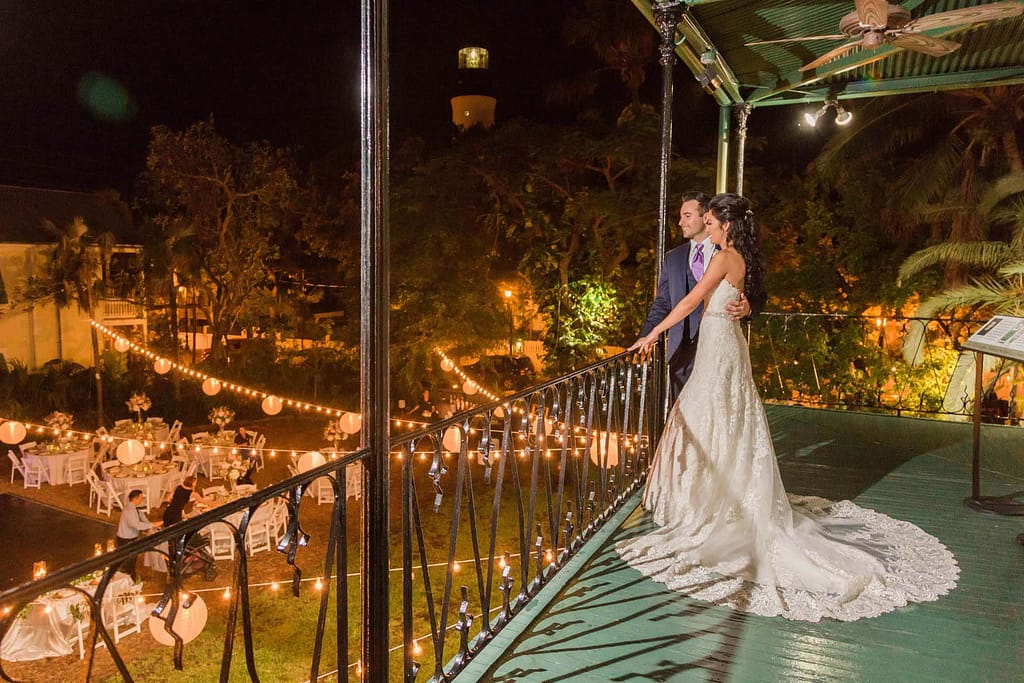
(48, 626)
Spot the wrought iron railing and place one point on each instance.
(859, 362)
(486, 507)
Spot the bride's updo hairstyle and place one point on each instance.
(735, 210)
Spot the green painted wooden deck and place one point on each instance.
(609, 623)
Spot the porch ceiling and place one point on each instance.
(769, 74)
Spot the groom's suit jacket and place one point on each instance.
(675, 282)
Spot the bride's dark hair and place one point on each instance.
(735, 210)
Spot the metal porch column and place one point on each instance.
(374, 337)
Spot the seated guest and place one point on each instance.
(242, 437)
(183, 494)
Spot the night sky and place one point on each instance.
(82, 82)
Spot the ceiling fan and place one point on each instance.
(875, 23)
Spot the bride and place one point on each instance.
(728, 533)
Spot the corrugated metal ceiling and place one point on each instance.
(990, 54)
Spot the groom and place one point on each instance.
(682, 267)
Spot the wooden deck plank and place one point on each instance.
(613, 624)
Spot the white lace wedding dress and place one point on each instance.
(729, 534)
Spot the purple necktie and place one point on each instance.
(698, 261)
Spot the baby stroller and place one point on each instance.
(199, 559)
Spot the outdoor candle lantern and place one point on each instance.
(110, 545)
(97, 549)
(38, 569)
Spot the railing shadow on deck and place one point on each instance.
(491, 503)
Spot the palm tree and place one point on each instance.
(76, 275)
(944, 151)
(995, 283)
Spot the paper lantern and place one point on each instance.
(447, 365)
(162, 366)
(211, 386)
(602, 442)
(121, 344)
(452, 439)
(310, 461)
(12, 432)
(350, 422)
(188, 623)
(469, 387)
(272, 405)
(499, 412)
(130, 452)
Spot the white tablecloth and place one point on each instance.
(47, 628)
(55, 462)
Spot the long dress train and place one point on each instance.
(730, 534)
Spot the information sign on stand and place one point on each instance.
(1003, 337)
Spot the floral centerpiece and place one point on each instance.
(59, 421)
(138, 404)
(233, 468)
(221, 416)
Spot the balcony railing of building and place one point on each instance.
(492, 504)
(121, 309)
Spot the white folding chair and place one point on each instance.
(222, 542)
(257, 535)
(98, 492)
(121, 612)
(35, 472)
(16, 465)
(175, 431)
(115, 499)
(279, 519)
(258, 445)
(100, 450)
(75, 468)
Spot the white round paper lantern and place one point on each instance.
(469, 388)
(188, 623)
(130, 452)
(350, 422)
(162, 366)
(602, 442)
(121, 344)
(12, 432)
(447, 365)
(211, 386)
(452, 439)
(310, 460)
(499, 412)
(271, 405)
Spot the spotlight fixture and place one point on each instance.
(843, 117)
(709, 79)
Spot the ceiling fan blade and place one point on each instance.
(967, 15)
(873, 13)
(800, 39)
(830, 55)
(935, 47)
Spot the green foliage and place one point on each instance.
(591, 317)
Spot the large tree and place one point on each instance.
(233, 203)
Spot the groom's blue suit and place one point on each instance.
(675, 282)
